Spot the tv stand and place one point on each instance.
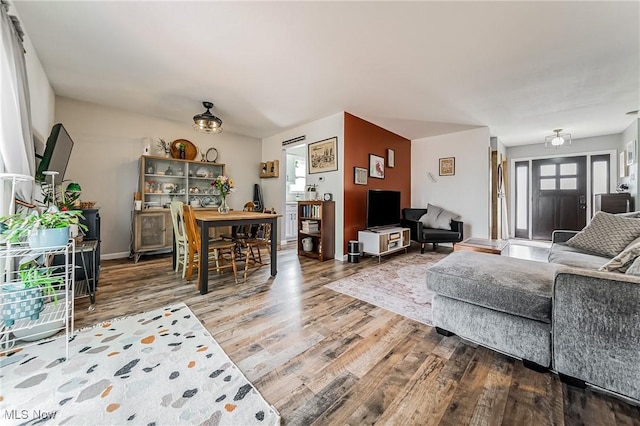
(383, 241)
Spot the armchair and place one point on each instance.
(421, 234)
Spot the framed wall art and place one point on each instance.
(391, 158)
(447, 166)
(631, 153)
(323, 156)
(623, 165)
(376, 166)
(359, 175)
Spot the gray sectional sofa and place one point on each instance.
(566, 315)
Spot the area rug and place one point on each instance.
(398, 285)
(159, 367)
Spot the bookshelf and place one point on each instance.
(316, 220)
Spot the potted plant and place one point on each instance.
(25, 297)
(47, 229)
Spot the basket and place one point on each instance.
(87, 204)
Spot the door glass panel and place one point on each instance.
(569, 183)
(548, 170)
(522, 190)
(600, 178)
(547, 184)
(568, 169)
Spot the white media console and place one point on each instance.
(383, 241)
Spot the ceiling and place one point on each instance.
(416, 68)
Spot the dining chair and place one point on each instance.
(179, 235)
(217, 248)
(254, 245)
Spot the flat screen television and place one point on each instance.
(56, 154)
(383, 208)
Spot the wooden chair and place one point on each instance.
(218, 248)
(255, 244)
(179, 235)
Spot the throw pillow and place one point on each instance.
(438, 218)
(607, 234)
(623, 260)
(634, 269)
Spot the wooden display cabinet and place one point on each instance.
(270, 169)
(322, 212)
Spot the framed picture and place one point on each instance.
(623, 165)
(323, 156)
(359, 175)
(376, 166)
(447, 166)
(631, 153)
(391, 158)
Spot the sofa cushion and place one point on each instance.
(623, 260)
(607, 234)
(438, 218)
(514, 286)
(571, 256)
(634, 269)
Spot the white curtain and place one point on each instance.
(17, 154)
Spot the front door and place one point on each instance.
(559, 195)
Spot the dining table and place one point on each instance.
(207, 219)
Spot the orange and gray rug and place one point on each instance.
(398, 284)
(159, 367)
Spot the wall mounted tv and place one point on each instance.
(383, 208)
(56, 154)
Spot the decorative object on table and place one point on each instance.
(148, 383)
(327, 196)
(622, 187)
(376, 166)
(391, 158)
(397, 286)
(164, 147)
(447, 166)
(311, 192)
(225, 185)
(631, 152)
(323, 156)
(207, 122)
(359, 175)
(212, 155)
(184, 149)
(65, 197)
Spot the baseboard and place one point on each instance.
(112, 256)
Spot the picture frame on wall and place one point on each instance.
(623, 165)
(323, 156)
(359, 175)
(376, 166)
(391, 158)
(631, 152)
(447, 166)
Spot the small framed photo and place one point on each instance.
(631, 153)
(376, 166)
(447, 166)
(359, 175)
(623, 165)
(323, 156)
(391, 158)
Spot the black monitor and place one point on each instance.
(56, 154)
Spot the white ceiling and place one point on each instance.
(416, 68)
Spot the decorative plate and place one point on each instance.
(190, 150)
(202, 172)
(212, 155)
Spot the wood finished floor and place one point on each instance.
(321, 357)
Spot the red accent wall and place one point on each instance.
(362, 138)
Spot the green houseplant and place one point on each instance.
(30, 226)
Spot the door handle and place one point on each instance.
(583, 202)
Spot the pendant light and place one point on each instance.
(557, 139)
(207, 122)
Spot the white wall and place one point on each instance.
(594, 144)
(105, 160)
(467, 192)
(274, 189)
(41, 96)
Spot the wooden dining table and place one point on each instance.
(207, 219)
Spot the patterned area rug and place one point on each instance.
(398, 285)
(159, 367)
